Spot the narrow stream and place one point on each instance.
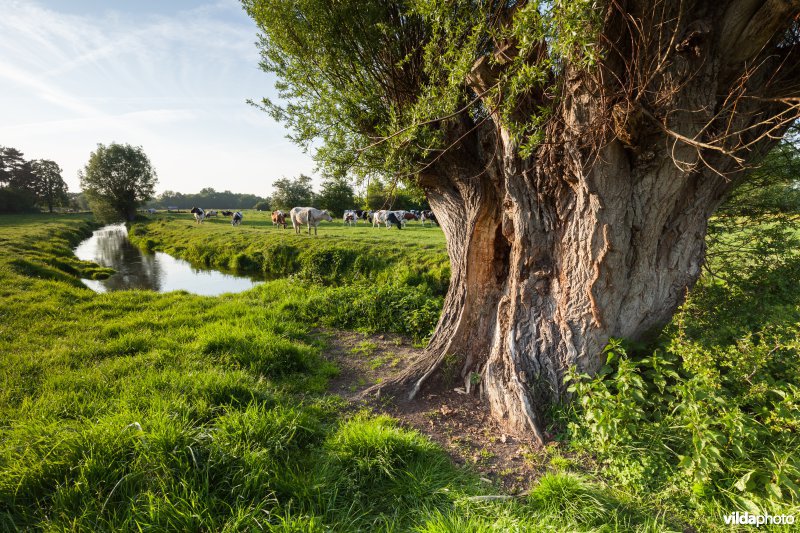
(109, 246)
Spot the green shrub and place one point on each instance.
(658, 426)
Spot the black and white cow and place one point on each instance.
(428, 215)
(199, 214)
(393, 219)
(350, 217)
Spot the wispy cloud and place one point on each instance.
(145, 54)
(46, 91)
(168, 79)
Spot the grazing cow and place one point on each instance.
(410, 215)
(211, 213)
(151, 211)
(428, 215)
(400, 215)
(309, 216)
(379, 217)
(393, 219)
(199, 214)
(279, 218)
(227, 213)
(236, 219)
(350, 218)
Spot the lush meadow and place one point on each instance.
(370, 279)
(137, 410)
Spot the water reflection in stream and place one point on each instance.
(109, 246)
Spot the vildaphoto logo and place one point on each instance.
(746, 518)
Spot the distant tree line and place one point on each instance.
(29, 185)
(337, 195)
(206, 198)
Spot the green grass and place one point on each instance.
(413, 257)
(364, 278)
(142, 411)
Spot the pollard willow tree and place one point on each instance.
(573, 152)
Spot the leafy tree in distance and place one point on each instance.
(263, 205)
(78, 201)
(117, 179)
(573, 152)
(376, 195)
(51, 187)
(336, 195)
(19, 185)
(206, 198)
(289, 193)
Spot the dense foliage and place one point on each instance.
(336, 195)
(380, 195)
(117, 179)
(375, 81)
(288, 193)
(25, 185)
(51, 189)
(206, 198)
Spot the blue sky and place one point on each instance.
(170, 75)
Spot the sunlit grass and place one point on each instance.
(136, 410)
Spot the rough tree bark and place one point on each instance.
(601, 231)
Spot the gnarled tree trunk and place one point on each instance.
(601, 231)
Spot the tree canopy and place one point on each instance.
(117, 179)
(24, 185)
(50, 187)
(207, 198)
(288, 193)
(336, 195)
(376, 81)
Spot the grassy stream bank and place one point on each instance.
(138, 410)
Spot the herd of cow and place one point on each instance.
(311, 217)
(201, 214)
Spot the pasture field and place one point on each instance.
(338, 254)
(704, 419)
(142, 411)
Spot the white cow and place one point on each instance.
(379, 217)
(309, 216)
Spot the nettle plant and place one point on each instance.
(714, 409)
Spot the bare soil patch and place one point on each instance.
(459, 422)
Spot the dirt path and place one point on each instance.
(459, 422)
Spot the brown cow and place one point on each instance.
(279, 219)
